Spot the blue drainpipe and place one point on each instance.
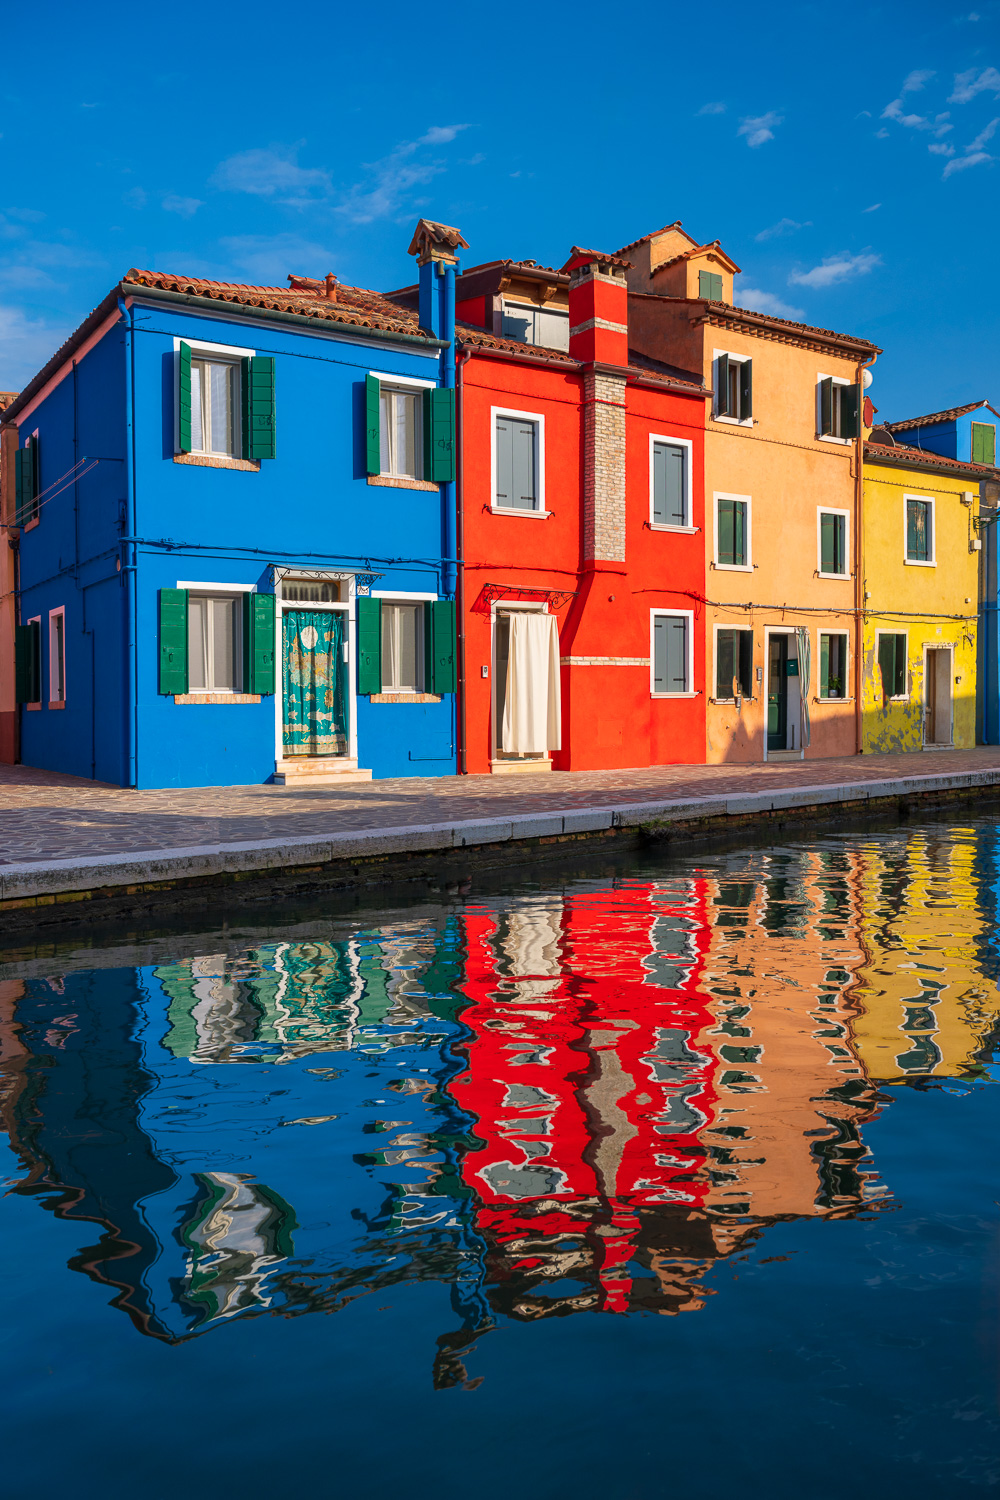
(437, 315)
(128, 561)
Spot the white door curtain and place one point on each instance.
(532, 713)
(805, 672)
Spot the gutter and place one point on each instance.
(128, 561)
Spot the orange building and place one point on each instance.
(782, 464)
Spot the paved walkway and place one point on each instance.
(45, 816)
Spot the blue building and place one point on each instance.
(234, 521)
(969, 434)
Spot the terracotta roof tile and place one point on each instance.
(770, 319)
(354, 305)
(938, 416)
(919, 458)
(611, 256)
(652, 236)
(482, 338)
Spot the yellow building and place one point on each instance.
(927, 1004)
(920, 565)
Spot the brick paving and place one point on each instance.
(46, 816)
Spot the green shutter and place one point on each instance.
(26, 483)
(173, 641)
(739, 533)
(258, 643)
(746, 663)
(850, 400)
(984, 443)
(722, 407)
(373, 437)
(710, 286)
(369, 643)
(439, 435)
(725, 663)
(28, 662)
(826, 407)
(828, 543)
(439, 647)
(746, 390)
(184, 398)
(258, 407)
(726, 545)
(824, 666)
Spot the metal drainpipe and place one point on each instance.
(463, 762)
(448, 493)
(859, 564)
(128, 562)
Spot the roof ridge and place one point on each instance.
(939, 416)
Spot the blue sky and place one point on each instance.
(849, 161)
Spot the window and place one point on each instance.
(833, 664)
(732, 531)
(26, 482)
(710, 285)
(518, 468)
(919, 531)
(670, 468)
(28, 662)
(892, 664)
(838, 407)
(734, 387)
(984, 443)
(57, 656)
(402, 648)
(213, 407)
(215, 655)
(671, 655)
(733, 663)
(400, 433)
(833, 543)
(310, 591)
(535, 325)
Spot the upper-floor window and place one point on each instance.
(225, 402)
(732, 531)
(518, 466)
(535, 325)
(839, 403)
(920, 531)
(832, 526)
(734, 387)
(984, 443)
(27, 483)
(400, 432)
(710, 285)
(670, 481)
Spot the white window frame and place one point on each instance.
(540, 512)
(717, 416)
(223, 354)
(675, 442)
(403, 385)
(829, 437)
(746, 567)
(729, 625)
(848, 697)
(394, 598)
(203, 591)
(56, 614)
(831, 510)
(915, 562)
(897, 697)
(679, 614)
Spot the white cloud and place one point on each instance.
(272, 173)
(268, 260)
(765, 302)
(971, 83)
(716, 108)
(135, 197)
(779, 230)
(835, 269)
(961, 162)
(894, 111)
(871, 208)
(440, 135)
(25, 345)
(915, 81)
(941, 148)
(186, 207)
(759, 128)
(984, 135)
(26, 215)
(392, 178)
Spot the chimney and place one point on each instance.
(331, 287)
(436, 247)
(598, 307)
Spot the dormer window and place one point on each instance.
(984, 443)
(546, 326)
(710, 285)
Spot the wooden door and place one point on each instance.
(777, 692)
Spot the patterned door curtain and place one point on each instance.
(315, 706)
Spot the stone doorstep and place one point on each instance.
(520, 767)
(321, 770)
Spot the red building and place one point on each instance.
(580, 527)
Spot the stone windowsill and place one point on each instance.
(216, 697)
(216, 461)
(405, 698)
(57, 702)
(390, 481)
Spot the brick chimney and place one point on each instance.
(598, 337)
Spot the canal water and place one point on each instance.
(680, 1179)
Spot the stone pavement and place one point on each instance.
(45, 816)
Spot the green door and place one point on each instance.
(777, 692)
(314, 682)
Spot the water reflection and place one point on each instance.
(561, 1102)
